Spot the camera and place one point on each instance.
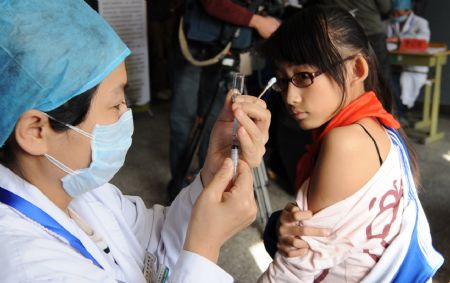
(201, 27)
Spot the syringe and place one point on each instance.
(238, 81)
(238, 89)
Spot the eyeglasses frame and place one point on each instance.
(311, 76)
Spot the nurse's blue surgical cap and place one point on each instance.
(50, 52)
(401, 5)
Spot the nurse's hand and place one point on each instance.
(290, 229)
(393, 39)
(253, 134)
(220, 212)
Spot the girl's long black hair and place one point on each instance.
(322, 37)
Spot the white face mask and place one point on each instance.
(109, 144)
(400, 19)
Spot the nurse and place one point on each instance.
(406, 24)
(64, 132)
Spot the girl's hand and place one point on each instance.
(290, 229)
(253, 134)
(219, 213)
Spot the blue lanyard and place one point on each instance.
(38, 215)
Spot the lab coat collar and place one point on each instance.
(406, 26)
(13, 183)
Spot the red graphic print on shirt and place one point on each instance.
(389, 201)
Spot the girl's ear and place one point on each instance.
(360, 69)
(32, 132)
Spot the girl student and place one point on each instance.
(358, 178)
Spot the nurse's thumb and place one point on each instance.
(221, 179)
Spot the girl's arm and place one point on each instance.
(347, 160)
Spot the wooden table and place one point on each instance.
(427, 128)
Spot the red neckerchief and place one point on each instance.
(367, 105)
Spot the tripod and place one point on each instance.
(260, 183)
(260, 179)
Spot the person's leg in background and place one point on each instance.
(159, 74)
(193, 88)
(159, 18)
(212, 95)
(400, 108)
(183, 112)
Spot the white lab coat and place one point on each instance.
(413, 77)
(30, 253)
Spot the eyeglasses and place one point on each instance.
(301, 79)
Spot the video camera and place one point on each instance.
(201, 27)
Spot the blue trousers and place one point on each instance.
(193, 90)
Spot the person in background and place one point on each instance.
(162, 24)
(194, 87)
(407, 80)
(369, 15)
(65, 134)
(359, 177)
(420, 6)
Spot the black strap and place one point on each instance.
(376, 145)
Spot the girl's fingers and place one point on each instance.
(291, 251)
(295, 230)
(294, 242)
(299, 215)
(292, 206)
(288, 215)
(287, 252)
(311, 231)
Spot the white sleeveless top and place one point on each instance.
(361, 226)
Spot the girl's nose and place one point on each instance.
(293, 96)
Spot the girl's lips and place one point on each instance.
(299, 115)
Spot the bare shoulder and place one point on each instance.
(348, 159)
(343, 140)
